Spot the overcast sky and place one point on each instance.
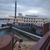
(33, 7)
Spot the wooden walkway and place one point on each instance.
(26, 45)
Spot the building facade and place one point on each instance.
(25, 20)
(31, 20)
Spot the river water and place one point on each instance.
(11, 31)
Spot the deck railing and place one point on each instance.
(44, 43)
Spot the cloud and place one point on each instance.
(37, 11)
(36, 3)
(7, 1)
(41, 7)
(6, 9)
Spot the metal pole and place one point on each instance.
(15, 10)
(14, 23)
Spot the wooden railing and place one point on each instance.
(44, 42)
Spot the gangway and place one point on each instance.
(30, 35)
